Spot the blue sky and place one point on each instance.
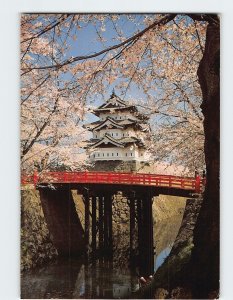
(88, 35)
(87, 43)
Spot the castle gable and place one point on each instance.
(107, 140)
(108, 123)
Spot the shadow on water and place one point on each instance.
(74, 279)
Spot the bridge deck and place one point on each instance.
(140, 179)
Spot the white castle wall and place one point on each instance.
(115, 133)
(117, 116)
(126, 154)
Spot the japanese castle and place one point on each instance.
(119, 134)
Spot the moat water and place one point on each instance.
(75, 279)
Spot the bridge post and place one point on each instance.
(106, 222)
(110, 227)
(86, 220)
(139, 227)
(105, 245)
(149, 235)
(132, 228)
(145, 233)
(101, 224)
(93, 229)
(62, 220)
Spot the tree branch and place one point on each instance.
(25, 150)
(162, 21)
(47, 28)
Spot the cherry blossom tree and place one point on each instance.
(160, 59)
(50, 113)
(170, 59)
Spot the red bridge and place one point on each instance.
(97, 190)
(137, 179)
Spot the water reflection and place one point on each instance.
(75, 279)
(161, 257)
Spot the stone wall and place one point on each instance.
(36, 242)
(117, 166)
(121, 229)
(63, 222)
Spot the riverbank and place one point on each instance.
(172, 279)
(36, 242)
(37, 249)
(36, 245)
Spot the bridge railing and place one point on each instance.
(169, 181)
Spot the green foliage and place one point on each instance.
(36, 245)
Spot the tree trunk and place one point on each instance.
(204, 264)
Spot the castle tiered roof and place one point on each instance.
(108, 140)
(109, 122)
(118, 133)
(115, 104)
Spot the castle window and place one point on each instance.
(125, 154)
(123, 134)
(98, 154)
(131, 154)
(112, 154)
(117, 154)
(94, 155)
(107, 154)
(103, 154)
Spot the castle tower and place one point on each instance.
(119, 134)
